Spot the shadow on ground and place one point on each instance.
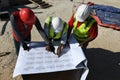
(103, 64)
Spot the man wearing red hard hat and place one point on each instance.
(22, 22)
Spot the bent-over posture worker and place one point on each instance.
(84, 27)
(56, 29)
(22, 23)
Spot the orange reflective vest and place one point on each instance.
(24, 29)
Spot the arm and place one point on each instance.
(64, 34)
(46, 29)
(87, 40)
(63, 38)
(41, 31)
(44, 36)
(93, 33)
(70, 27)
(64, 41)
(17, 32)
(68, 34)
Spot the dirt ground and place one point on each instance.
(103, 53)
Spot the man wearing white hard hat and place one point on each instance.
(56, 30)
(84, 27)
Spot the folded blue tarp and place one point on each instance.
(107, 16)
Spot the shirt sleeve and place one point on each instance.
(71, 21)
(41, 31)
(64, 38)
(64, 35)
(94, 30)
(15, 28)
(46, 26)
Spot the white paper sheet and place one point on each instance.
(38, 60)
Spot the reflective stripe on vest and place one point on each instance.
(82, 32)
(51, 33)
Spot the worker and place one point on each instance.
(56, 29)
(22, 23)
(84, 27)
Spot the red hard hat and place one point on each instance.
(27, 16)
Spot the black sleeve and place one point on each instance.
(69, 33)
(15, 29)
(41, 31)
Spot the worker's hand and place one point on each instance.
(59, 50)
(25, 47)
(50, 47)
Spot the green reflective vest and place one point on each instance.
(51, 33)
(82, 32)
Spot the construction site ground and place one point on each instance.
(103, 53)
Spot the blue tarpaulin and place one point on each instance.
(109, 16)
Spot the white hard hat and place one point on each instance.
(83, 12)
(57, 24)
